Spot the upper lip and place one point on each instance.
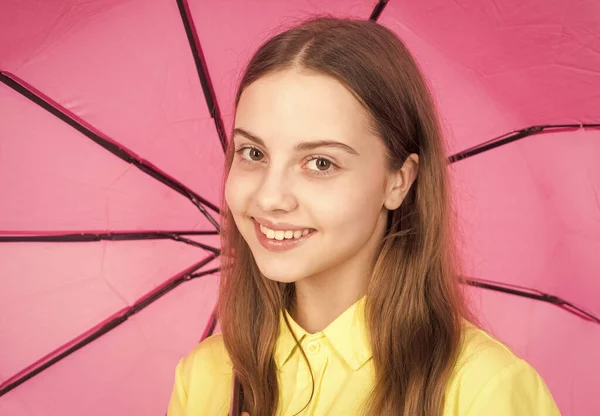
(279, 225)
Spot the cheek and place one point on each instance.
(237, 191)
(349, 204)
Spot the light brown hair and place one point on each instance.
(414, 304)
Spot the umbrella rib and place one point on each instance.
(533, 294)
(29, 237)
(110, 323)
(202, 69)
(61, 236)
(107, 143)
(195, 243)
(378, 9)
(514, 136)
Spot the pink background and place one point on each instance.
(530, 211)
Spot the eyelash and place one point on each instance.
(333, 166)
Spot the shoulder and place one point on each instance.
(208, 357)
(480, 349)
(490, 378)
(203, 379)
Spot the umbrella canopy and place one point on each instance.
(113, 120)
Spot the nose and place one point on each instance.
(275, 192)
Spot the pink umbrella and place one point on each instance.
(111, 151)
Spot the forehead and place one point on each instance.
(293, 106)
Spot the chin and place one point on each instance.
(283, 272)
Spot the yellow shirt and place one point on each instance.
(487, 380)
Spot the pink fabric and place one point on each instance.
(530, 211)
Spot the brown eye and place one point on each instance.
(323, 164)
(255, 154)
(249, 154)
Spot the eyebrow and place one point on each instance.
(300, 146)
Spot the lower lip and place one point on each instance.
(279, 245)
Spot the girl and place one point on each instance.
(340, 291)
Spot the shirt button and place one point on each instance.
(313, 347)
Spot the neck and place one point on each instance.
(320, 299)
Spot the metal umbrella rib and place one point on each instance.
(107, 143)
(378, 9)
(513, 136)
(533, 294)
(109, 236)
(202, 69)
(104, 327)
(503, 140)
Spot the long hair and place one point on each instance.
(414, 306)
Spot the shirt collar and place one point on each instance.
(347, 334)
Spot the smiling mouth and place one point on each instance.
(281, 240)
(283, 234)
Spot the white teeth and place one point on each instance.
(281, 234)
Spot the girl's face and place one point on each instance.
(308, 166)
